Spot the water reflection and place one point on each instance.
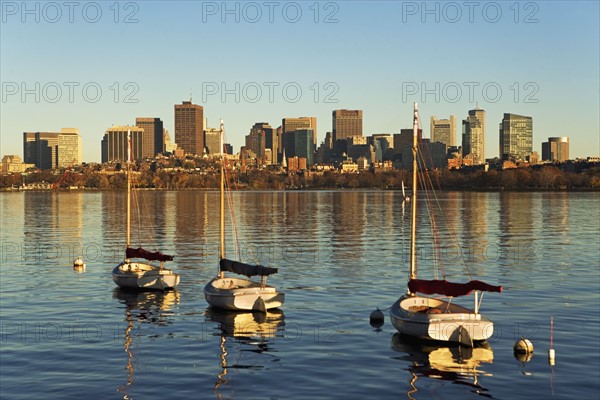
(254, 331)
(458, 364)
(141, 308)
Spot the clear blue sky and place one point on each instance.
(538, 58)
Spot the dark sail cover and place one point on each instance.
(148, 255)
(245, 269)
(448, 288)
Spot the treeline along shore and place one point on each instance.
(202, 174)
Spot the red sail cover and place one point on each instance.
(448, 288)
(148, 255)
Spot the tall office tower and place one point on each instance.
(189, 127)
(114, 143)
(212, 141)
(69, 147)
(443, 130)
(41, 149)
(346, 123)
(154, 140)
(300, 143)
(279, 134)
(516, 137)
(292, 124)
(271, 142)
(256, 140)
(556, 149)
(473, 136)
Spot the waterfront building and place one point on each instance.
(473, 136)
(189, 127)
(556, 149)
(516, 137)
(114, 143)
(40, 149)
(300, 143)
(212, 141)
(154, 138)
(292, 124)
(443, 130)
(69, 148)
(346, 123)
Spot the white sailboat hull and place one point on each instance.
(144, 276)
(435, 319)
(242, 294)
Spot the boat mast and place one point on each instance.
(413, 213)
(222, 204)
(128, 190)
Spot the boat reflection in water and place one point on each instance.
(255, 331)
(451, 362)
(142, 308)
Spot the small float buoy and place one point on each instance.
(523, 350)
(376, 318)
(523, 346)
(78, 265)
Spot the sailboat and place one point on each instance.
(437, 318)
(232, 293)
(141, 275)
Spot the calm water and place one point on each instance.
(68, 335)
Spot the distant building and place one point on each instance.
(49, 150)
(170, 146)
(292, 124)
(12, 163)
(434, 155)
(443, 130)
(473, 136)
(154, 140)
(189, 127)
(346, 123)
(300, 143)
(516, 137)
(114, 143)
(212, 141)
(256, 140)
(69, 147)
(40, 149)
(556, 149)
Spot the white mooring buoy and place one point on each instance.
(376, 318)
(551, 353)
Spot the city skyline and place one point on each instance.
(228, 79)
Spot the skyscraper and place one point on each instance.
(154, 140)
(473, 136)
(255, 140)
(262, 137)
(443, 130)
(346, 123)
(69, 147)
(300, 143)
(189, 127)
(556, 149)
(516, 136)
(292, 124)
(212, 141)
(114, 143)
(40, 149)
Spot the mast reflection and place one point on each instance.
(455, 363)
(141, 308)
(254, 329)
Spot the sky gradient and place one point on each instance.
(91, 65)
